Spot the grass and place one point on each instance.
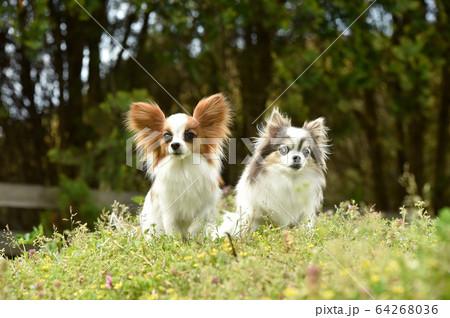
(387, 259)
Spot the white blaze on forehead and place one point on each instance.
(177, 123)
(296, 133)
(297, 136)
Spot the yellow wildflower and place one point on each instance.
(374, 278)
(290, 293)
(398, 289)
(329, 294)
(392, 266)
(152, 297)
(433, 262)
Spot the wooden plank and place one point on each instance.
(106, 199)
(27, 196)
(15, 195)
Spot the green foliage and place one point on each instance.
(138, 199)
(28, 238)
(75, 194)
(443, 224)
(29, 23)
(388, 259)
(104, 156)
(102, 160)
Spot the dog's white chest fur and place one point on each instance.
(183, 197)
(286, 199)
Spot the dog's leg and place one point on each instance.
(172, 226)
(195, 227)
(249, 219)
(151, 223)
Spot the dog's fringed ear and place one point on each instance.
(274, 124)
(317, 129)
(143, 115)
(213, 115)
(319, 132)
(147, 122)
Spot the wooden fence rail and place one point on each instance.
(37, 197)
(13, 195)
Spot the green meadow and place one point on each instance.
(353, 253)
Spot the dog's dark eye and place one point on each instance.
(284, 150)
(189, 136)
(167, 137)
(306, 152)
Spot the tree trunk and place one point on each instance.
(417, 145)
(370, 124)
(70, 113)
(255, 71)
(35, 171)
(441, 179)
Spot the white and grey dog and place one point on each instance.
(285, 178)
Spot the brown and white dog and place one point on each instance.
(183, 158)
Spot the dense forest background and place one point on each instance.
(383, 87)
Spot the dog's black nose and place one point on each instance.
(175, 145)
(296, 159)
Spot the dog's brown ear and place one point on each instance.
(273, 125)
(148, 123)
(143, 115)
(213, 115)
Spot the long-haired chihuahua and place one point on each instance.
(284, 180)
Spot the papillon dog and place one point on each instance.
(182, 156)
(284, 180)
